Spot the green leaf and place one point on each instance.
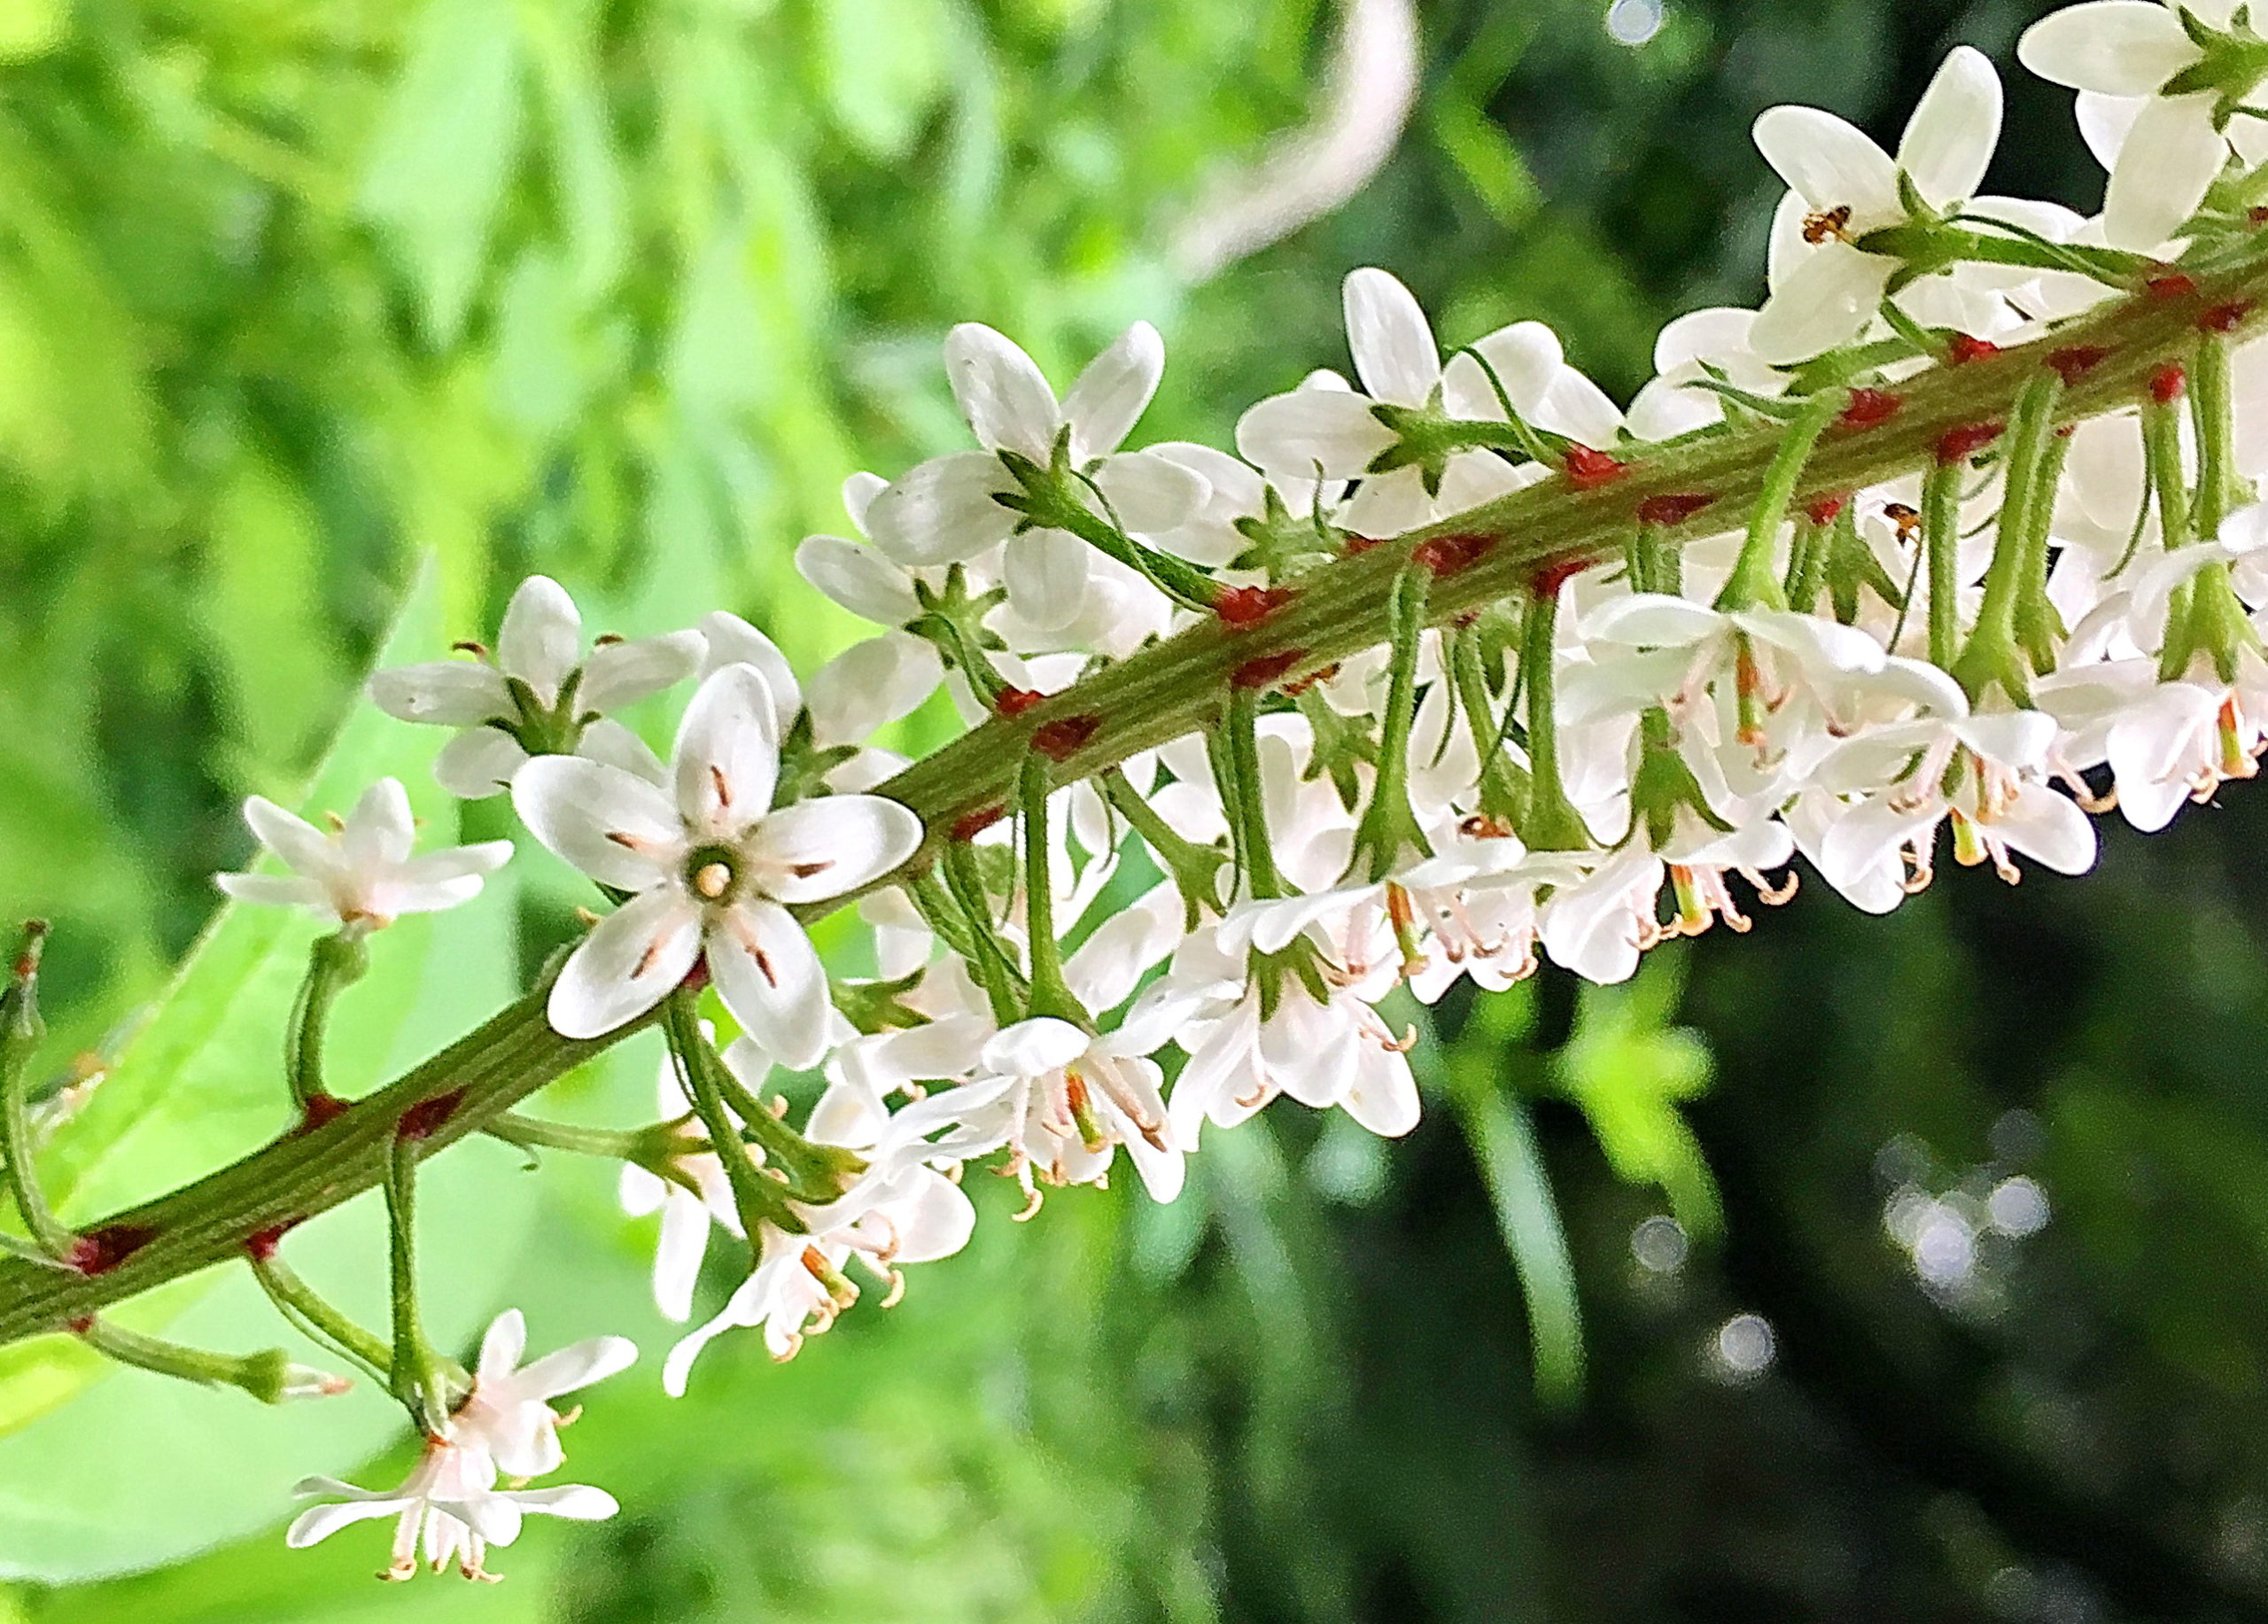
(131, 1469)
(445, 152)
(1627, 1068)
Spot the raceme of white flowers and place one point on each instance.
(1858, 678)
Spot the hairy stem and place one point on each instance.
(1338, 610)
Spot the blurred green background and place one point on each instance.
(1855, 1269)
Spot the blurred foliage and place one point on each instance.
(291, 295)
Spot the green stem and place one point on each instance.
(1752, 585)
(313, 1314)
(269, 1376)
(2213, 413)
(1503, 786)
(20, 1030)
(1146, 701)
(641, 1145)
(414, 1369)
(1941, 540)
(1051, 995)
(1551, 822)
(758, 1199)
(1389, 827)
(1245, 795)
(1004, 985)
(334, 963)
(1195, 869)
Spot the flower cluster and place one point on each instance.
(2049, 604)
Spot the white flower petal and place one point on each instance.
(506, 1339)
(319, 1522)
(1824, 301)
(617, 829)
(1001, 392)
(620, 674)
(2048, 828)
(629, 963)
(1948, 142)
(732, 641)
(444, 692)
(2171, 156)
(727, 760)
(770, 978)
(1392, 341)
(1108, 399)
(1150, 493)
(942, 510)
(380, 831)
(479, 762)
(872, 684)
(1034, 1047)
(542, 639)
(305, 849)
(1832, 162)
(2119, 47)
(822, 848)
(1045, 572)
(1311, 433)
(859, 579)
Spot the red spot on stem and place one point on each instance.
(2226, 318)
(1063, 737)
(2076, 362)
(1362, 544)
(1869, 409)
(1826, 509)
(262, 1244)
(1588, 470)
(1965, 347)
(422, 1120)
(1266, 670)
(1548, 578)
(1675, 509)
(79, 1325)
(318, 1111)
(1958, 445)
(1016, 701)
(2169, 284)
(1240, 608)
(1321, 673)
(968, 826)
(99, 1251)
(1446, 555)
(2167, 383)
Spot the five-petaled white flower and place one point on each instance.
(509, 1411)
(539, 693)
(1825, 288)
(363, 874)
(711, 868)
(945, 509)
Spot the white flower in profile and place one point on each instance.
(2162, 151)
(944, 510)
(363, 873)
(1325, 431)
(711, 868)
(1825, 288)
(880, 679)
(539, 692)
(509, 1411)
(1062, 1100)
(449, 1504)
(894, 1213)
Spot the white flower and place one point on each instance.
(539, 692)
(450, 1503)
(1825, 288)
(1325, 431)
(508, 1413)
(890, 1217)
(711, 869)
(945, 509)
(363, 874)
(2163, 151)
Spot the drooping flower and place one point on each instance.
(711, 868)
(363, 873)
(449, 1504)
